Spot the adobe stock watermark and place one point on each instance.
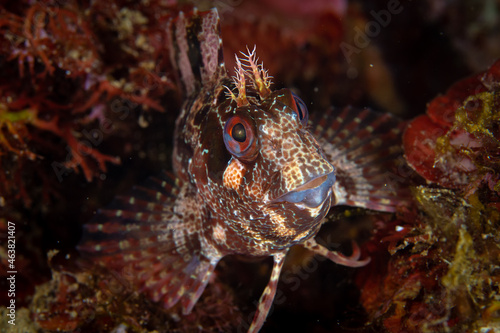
(11, 271)
(362, 38)
(224, 6)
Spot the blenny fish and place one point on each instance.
(252, 175)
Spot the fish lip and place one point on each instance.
(311, 194)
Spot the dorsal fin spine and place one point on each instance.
(196, 49)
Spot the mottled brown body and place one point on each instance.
(250, 177)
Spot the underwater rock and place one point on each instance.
(457, 143)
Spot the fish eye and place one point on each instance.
(300, 109)
(240, 138)
(239, 133)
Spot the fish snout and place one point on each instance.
(311, 194)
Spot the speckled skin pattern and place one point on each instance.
(250, 177)
(240, 195)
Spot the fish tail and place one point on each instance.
(150, 245)
(365, 149)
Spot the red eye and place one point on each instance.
(301, 109)
(239, 138)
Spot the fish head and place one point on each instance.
(263, 172)
(283, 167)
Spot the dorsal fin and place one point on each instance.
(196, 49)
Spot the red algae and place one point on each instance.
(58, 78)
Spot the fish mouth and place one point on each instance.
(311, 194)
